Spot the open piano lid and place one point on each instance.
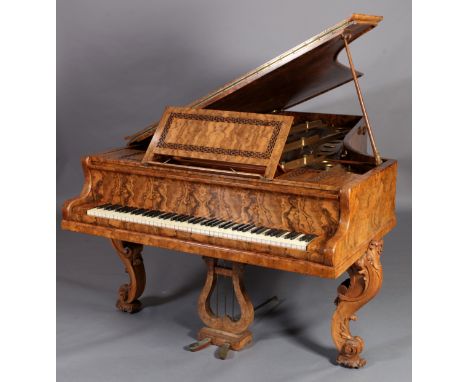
(301, 73)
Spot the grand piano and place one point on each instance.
(239, 179)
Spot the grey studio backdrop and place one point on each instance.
(119, 63)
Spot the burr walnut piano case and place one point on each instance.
(238, 156)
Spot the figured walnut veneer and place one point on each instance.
(345, 215)
(220, 136)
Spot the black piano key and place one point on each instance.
(308, 237)
(104, 206)
(216, 222)
(288, 235)
(262, 230)
(114, 207)
(280, 232)
(175, 217)
(248, 228)
(223, 225)
(191, 219)
(292, 235)
(256, 229)
(303, 237)
(139, 211)
(270, 232)
(203, 221)
(237, 227)
(147, 212)
(206, 221)
(197, 220)
(229, 225)
(185, 218)
(165, 215)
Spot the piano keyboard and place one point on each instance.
(206, 226)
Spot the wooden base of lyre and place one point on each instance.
(130, 254)
(363, 284)
(221, 337)
(225, 330)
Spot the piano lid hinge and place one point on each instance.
(378, 159)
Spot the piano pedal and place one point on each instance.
(199, 345)
(223, 351)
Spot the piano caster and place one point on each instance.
(227, 332)
(363, 284)
(130, 254)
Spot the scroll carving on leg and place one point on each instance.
(130, 254)
(363, 284)
(228, 331)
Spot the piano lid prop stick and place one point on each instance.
(378, 159)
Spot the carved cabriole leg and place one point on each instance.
(224, 329)
(130, 254)
(364, 283)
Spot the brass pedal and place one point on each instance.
(223, 351)
(199, 345)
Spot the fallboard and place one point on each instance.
(244, 142)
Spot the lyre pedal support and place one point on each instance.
(224, 327)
